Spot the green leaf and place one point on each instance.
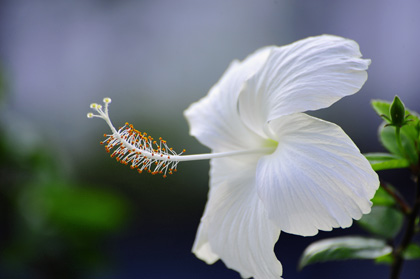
(385, 259)
(381, 107)
(386, 161)
(90, 208)
(72, 209)
(412, 252)
(382, 221)
(410, 133)
(344, 248)
(382, 197)
(408, 139)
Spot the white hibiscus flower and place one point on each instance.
(312, 177)
(273, 168)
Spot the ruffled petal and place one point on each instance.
(214, 120)
(235, 227)
(309, 74)
(316, 179)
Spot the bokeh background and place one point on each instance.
(68, 211)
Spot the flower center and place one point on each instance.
(270, 143)
(146, 154)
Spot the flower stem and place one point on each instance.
(398, 136)
(396, 266)
(404, 206)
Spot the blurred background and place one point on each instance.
(68, 211)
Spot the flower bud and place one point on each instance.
(397, 113)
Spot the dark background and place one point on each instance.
(68, 211)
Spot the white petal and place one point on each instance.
(214, 120)
(235, 227)
(201, 247)
(307, 75)
(316, 179)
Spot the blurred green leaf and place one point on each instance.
(410, 134)
(382, 221)
(386, 161)
(382, 197)
(381, 107)
(88, 208)
(408, 140)
(385, 259)
(343, 248)
(412, 252)
(73, 209)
